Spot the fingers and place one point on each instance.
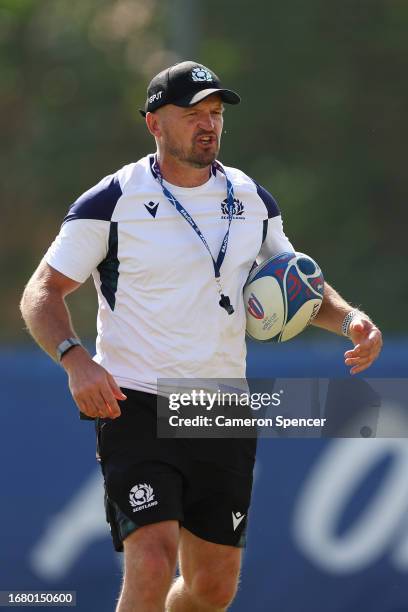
(92, 408)
(355, 352)
(109, 402)
(363, 365)
(367, 341)
(358, 362)
(96, 392)
(363, 355)
(100, 406)
(116, 390)
(87, 408)
(103, 402)
(97, 400)
(363, 332)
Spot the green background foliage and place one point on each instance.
(321, 125)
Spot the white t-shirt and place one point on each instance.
(158, 314)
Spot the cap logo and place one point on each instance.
(201, 74)
(155, 97)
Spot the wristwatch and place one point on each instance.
(65, 346)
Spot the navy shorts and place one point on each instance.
(205, 484)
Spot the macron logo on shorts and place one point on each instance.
(237, 517)
(141, 497)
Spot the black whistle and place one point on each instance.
(226, 304)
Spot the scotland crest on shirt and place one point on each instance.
(238, 212)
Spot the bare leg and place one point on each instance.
(209, 576)
(150, 561)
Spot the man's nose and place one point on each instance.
(207, 122)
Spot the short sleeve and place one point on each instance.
(79, 247)
(83, 241)
(275, 240)
(269, 201)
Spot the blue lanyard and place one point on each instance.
(224, 299)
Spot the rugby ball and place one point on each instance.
(282, 296)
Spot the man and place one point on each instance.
(170, 241)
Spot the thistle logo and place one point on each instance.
(201, 74)
(255, 308)
(237, 212)
(141, 497)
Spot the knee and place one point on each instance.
(155, 565)
(149, 556)
(214, 590)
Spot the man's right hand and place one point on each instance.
(94, 390)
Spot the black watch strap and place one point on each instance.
(65, 346)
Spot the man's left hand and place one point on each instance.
(367, 340)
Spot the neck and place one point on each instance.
(180, 173)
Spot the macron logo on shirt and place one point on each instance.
(152, 207)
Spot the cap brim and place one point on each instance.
(227, 95)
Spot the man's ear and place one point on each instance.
(153, 124)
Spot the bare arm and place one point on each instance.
(44, 310)
(365, 336)
(332, 311)
(48, 320)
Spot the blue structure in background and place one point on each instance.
(316, 542)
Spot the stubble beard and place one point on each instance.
(193, 156)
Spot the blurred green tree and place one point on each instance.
(321, 125)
